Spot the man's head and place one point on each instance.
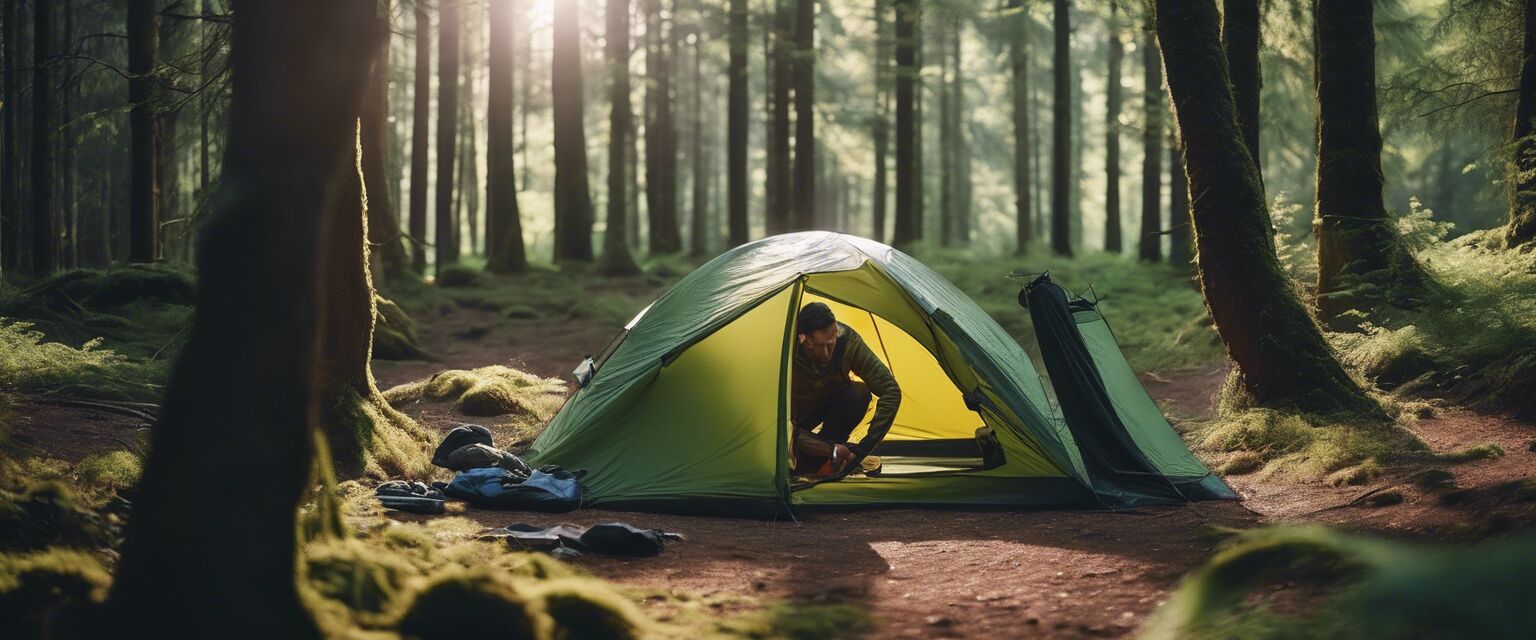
(816, 329)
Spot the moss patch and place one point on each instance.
(48, 515)
(459, 604)
(369, 438)
(54, 593)
(587, 608)
(394, 333)
(113, 471)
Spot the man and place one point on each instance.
(822, 394)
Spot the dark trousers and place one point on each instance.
(838, 414)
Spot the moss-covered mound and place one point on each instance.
(139, 311)
(488, 391)
(48, 515)
(587, 608)
(394, 333)
(473, 603)
(51, 594)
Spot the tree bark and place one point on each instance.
(1356, 239)
(384, 234)
(144, 179)
(1023, 200)
(907, 13)
(1061, 132)
(444, 236)
(736, 127)
(573, 197)
(245, 381)
(10, 154)
(946, 138)
(44, 238)
(1112, 232)
(617, 259)
(68, 164)
(421, 115)
(777, 196)
(660, 132)
(469, 170)
(1180, 247)
(1281, 357)
(1240, 41)
(698, 236)
(1521, 229)
(1149, 245)
(803, 214)
(503, 221)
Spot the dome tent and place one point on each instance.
(688, 409)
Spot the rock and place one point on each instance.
(940, 621)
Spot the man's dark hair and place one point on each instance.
(813, 317)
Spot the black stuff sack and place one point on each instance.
(458, 438)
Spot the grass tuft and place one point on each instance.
(113, 471)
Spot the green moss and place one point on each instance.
(369, 438)
(53, 593)
(355, 574)
(49, 515)
(536, 565)
(471, 603)
(586, 608)
(488, 391)
(1310, 447)
(394, 333)
(1241, 463)
(457, 276)
(30, 363)
(799, 620)
(113, 471)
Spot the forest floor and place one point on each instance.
(936, 574)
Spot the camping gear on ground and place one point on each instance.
(549, 488)
(413, 497)
(476, 456)
(459, 437)
(609, 538)
(688, 410)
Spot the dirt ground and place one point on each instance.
(943, 574)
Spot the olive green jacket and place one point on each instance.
(811, 382)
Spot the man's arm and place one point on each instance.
(882, 384)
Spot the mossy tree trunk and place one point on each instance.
(1240, 42)
(1112, 233)
(1360, 263)
(617, 259)
(1061, 131)
(1521, 229)
(1281, 357)
(573, 196)
(503, 220)
(1149, 245)
(1180, 246)
(210, 546)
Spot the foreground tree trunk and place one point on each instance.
(245, 381)
(1112, 241)
(1061, 132)
(503, 221)
(444, 234)
(421, 114)
(1149, 245)
(1281, 357)
(1240, 42)
(736, 127)
(1521, 229)
(573, 197)
(1023, 142)
(907, 13)
(777, 194)
(803, 214)
(1356, 239)
(617, 259)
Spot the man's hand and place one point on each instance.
(842, 456)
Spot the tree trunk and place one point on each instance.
(803, 216)
(736, 127)
(469, 171)
(1180, 249)
(444, 234)
(1061, 133)
(68, 164)
(1521, 229)
(698, 235)
(573, 198)
(390, 260)
(245, 382)
(1112, 233)
(144, 180)
(1023, 200)
(503, 221)
(660, 132)
(946, 138)
(1240, 41)
(617, 259)
(10, 154)
(1149, 245)
(880, 133)
(1281, 357)
(907, 13)
(421, 115)
(777, 194)
(1356, 239)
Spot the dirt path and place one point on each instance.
(1055, 574)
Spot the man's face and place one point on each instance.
(819, 344)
